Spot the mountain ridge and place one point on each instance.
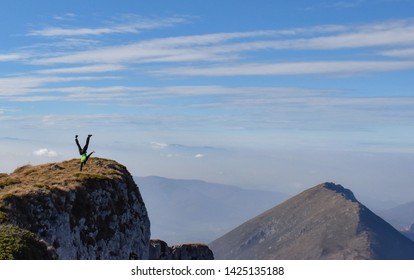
(323, 222)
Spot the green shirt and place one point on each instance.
(83, 157)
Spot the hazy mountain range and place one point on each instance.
(401, 217)
(198, 211)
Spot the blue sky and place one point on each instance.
(270, 94)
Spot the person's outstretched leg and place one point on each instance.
(77, 143)
(85, 148)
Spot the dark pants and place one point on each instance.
(83, 150)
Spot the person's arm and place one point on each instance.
(90, 154)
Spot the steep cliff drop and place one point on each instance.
(54, 211)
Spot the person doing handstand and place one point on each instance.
(83, 151)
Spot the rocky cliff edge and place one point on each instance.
(53, 211)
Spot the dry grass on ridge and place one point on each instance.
(63, 175)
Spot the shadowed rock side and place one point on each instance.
(324, 222)
(95, 214)
(159, 250)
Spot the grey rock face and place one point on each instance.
(324, 222)
(192, 252)
(97, 214)
(159, 250)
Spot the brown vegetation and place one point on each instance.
(62, 176)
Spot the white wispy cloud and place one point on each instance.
(227, 54)
(290, 68)
(342, 37)
(406, 52)
(207, 47)
(161, 50)
(6, 110)
(44, 152)
(372, 35)
(133, 24)
(56, 31)
(21, 85)
(11, 57)
(101, 68)
(158, 145)
(66, 17)
(148, 97)
(70, 44)
(180, 150)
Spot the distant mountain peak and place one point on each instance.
(323, 222)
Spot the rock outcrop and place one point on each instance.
(159, 250)
(323, 222)
(95, 214)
